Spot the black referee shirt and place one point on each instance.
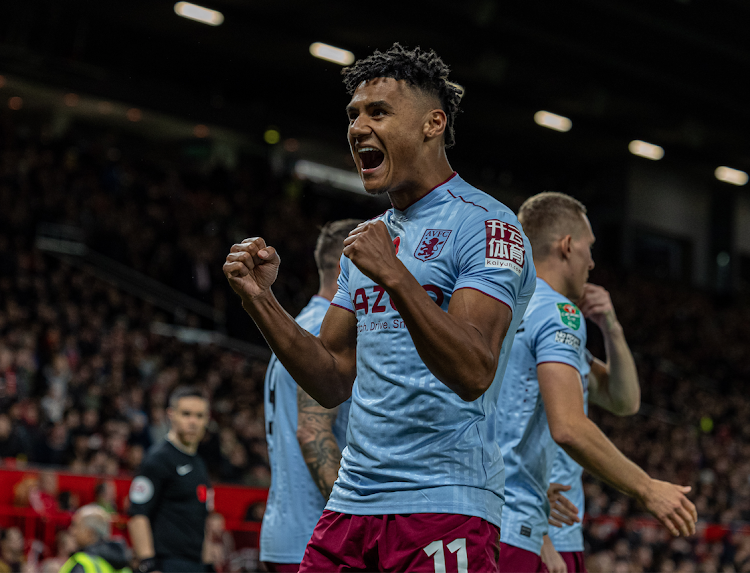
(173, 491)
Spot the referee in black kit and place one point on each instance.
(171, 496)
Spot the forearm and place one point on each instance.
(454, 351)
(623, 387)
(323, 459)
(588, 446)
(319, 447)
(304, 356)
(141, 537)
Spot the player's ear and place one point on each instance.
(566, 246)
(434, 124)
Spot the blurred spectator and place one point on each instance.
(11, 444)
(68, 501)
(255, 511)
(43, 496)
(65, 545)
(11, 550)
(105, 496)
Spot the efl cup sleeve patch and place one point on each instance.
(504, 248)
(569, 315)
(141, 490)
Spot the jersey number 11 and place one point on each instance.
(435, 549)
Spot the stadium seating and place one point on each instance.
(84, 377)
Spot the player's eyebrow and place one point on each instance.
(379, 103)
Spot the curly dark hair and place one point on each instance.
(421, 69)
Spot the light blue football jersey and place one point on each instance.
(294, 501)
(567, 472)
(414, 446)
(553, 330)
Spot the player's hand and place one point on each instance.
(596, 305)
(667, 502)
(370, 248)
(551, 558)
(251, 268)
(562, 511)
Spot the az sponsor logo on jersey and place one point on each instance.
(569, 315)
(504, 249)
(432, 244)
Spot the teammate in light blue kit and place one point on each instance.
(421, 480)
(553, 331)
(542, 396)
(300, 432)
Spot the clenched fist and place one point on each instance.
(251, 268)
(370, 248)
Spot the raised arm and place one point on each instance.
(614, 385)
(317, 442)
(461, 347)
(560, 385)
(324, 366)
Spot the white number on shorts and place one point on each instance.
(462, 556)
(457, 545)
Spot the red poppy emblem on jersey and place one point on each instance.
(432, 244)
(202, 493)
(397, 243)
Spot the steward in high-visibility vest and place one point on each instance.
(96, 554)
(90, 564)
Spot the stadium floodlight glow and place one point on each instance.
(319, 173)
(331, 54)
(647, 150)
(729, 175)
(553, 121)
(198, 13)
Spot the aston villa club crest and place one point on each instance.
(432, 244)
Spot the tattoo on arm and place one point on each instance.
(317, 442)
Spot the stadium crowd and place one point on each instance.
(84, 380)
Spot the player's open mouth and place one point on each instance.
(370, 158)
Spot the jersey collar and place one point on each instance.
(431, 196)
(180, 448)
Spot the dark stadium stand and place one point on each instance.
(84, 377)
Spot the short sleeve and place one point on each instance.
(491, 254)
(146, 488)
(342, 298)
(558, 337)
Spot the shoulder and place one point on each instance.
(552, 308)
(480, 211)
(158, 456)
(475, 202)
